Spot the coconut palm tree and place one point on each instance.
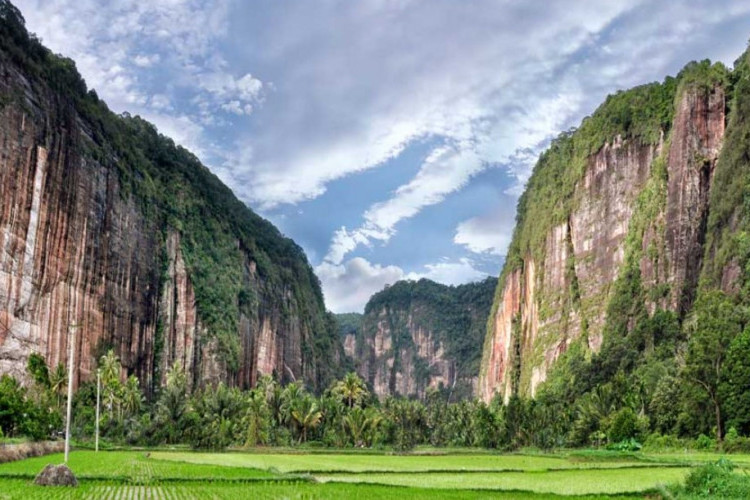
(257, 419)
(110, 366)
(172, 406)
(110, 369)
(290, 398)
(306, 415)
(374, 419)
(351, 388)
(58, 381)
(131, 396)
(356, 422)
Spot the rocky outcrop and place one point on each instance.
(421, 336)
(638, 197)
(350, 345)
(109, 228)
(349, 327)
(411, 368)
(697, 137)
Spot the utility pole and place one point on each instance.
(71, 362)
(98, 391)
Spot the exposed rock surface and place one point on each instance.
(417, 336)
(98, 216)
(560, 293)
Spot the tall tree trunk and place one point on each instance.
(719, 433)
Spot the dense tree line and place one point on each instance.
(634, 391)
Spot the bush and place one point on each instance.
(625, 445)
(734, 443)
(624, 426)
(704, 443)
(656, 441)
(717, 480)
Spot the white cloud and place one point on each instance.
(237, 108)
(357, 97)
(446, 169)
(160, 102)
(348, 286)
(146, 60)
(234, 95)
(182, 129)
(489, 233)
(450, 167)
(450, 273)
(249, 87)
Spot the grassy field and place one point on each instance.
(316, 463)
(183, 475)
(570, 482)
(194, 490)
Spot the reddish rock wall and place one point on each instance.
(538, 297)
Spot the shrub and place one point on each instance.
(625, 445)
(624, 426)
(734, 443)
(717, 480)
(656, 441)
(704, 443)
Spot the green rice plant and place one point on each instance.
(571, 482)
(316, 463)
(21, 489)
(132, 467)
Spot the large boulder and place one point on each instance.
(56, 475)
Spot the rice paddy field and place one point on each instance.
(259, 474)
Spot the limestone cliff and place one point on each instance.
(349, 327)
(417, 336)
(108, 225)
(613, 219)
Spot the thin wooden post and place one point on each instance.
(98, 392)
(71, 362)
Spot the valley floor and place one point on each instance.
(260, 474)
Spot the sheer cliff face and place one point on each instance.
(72, 250)
(403, 356)
(77, 248)
(544, 304)
(421, 336)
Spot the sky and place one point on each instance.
(389, 138)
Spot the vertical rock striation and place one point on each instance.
(420, 336)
